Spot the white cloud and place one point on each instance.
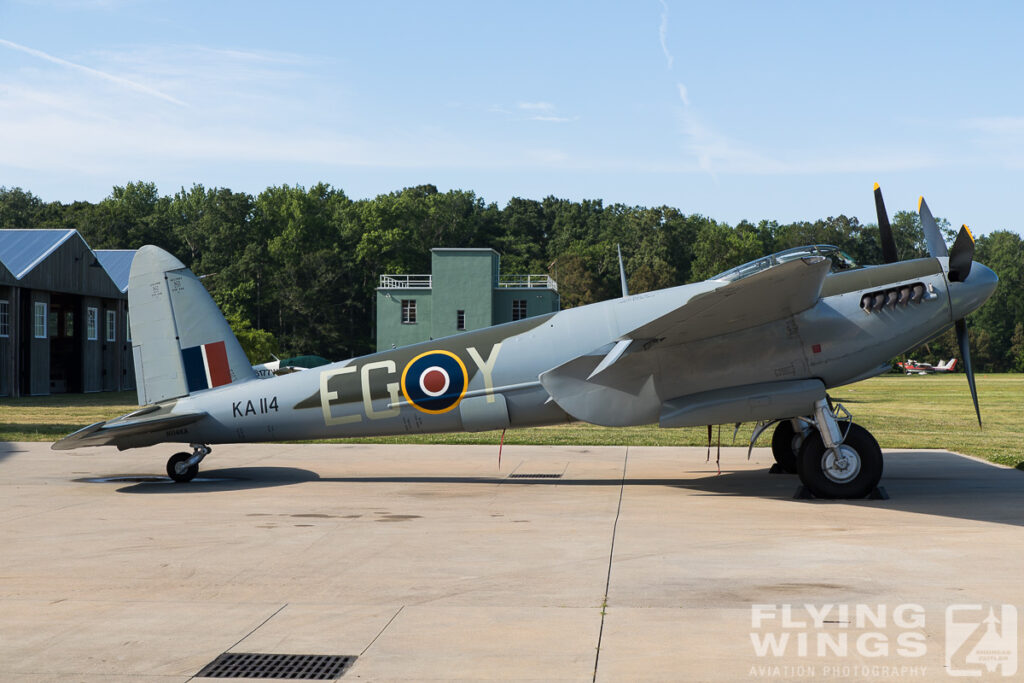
(683, 94)
(274, 111)
(536, 106)
(999, 125)
(105, 5)
(247, 107)
(999, 139)
(555, 119)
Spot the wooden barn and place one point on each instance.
(63, 315)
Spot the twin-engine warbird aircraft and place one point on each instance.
(762, 343)
(911, 366)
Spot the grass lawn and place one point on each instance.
(930, 411)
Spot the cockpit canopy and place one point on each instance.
(840, 261)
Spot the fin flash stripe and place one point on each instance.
(206, 366)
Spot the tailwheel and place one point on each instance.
(179, 470)
(850, 469)
(786, 443)
(183, 467)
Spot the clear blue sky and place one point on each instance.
(781, 110)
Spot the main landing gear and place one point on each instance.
(834, 457)
(183, 467)
(789, 436)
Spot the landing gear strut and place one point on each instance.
(183, 467)
(838, 461)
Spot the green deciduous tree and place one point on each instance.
(298, 267)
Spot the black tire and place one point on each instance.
(825, 478)
(181, 474)
(786, 443)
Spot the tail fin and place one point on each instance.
(950, 365)
(181, 342)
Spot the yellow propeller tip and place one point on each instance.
(876, 187)
(969, 233)
(920, 201)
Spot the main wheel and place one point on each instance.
(851, 470)
(786, 443)
(178, 469)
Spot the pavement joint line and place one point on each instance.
(611, 555)
(393, 617)
(240, 640)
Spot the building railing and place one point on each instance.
(528, 281)
(505, 282)
(405, 282)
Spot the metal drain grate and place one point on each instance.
(263, 665)
(535, 476)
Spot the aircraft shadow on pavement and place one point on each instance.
(209, 481)
(930, 483)
(8, 449)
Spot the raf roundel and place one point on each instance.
(435, 381)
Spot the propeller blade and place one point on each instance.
(932, 234)
(965, 351)
(961, 256)
(884, 229)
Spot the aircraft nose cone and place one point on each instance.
(967, 296)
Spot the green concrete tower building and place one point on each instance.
(464, 291)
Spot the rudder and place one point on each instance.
(180, 340)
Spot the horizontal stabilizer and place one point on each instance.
(128, 432)
(767, 296)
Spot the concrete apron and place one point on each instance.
(428, 562)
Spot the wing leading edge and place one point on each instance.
(770, 295)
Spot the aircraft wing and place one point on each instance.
(610, 386)
(142, 428)
(770, 295)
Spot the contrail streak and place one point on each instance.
(132, 85)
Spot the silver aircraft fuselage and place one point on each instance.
(836, 341)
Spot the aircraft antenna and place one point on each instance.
(622, 273)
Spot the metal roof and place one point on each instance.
(118, 264)
(23, 250)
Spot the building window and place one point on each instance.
(39, 320)
(460, 320)
(69, 324)
(91, 323)
(408, 311)
(111, 325)
(5, 319)
(518, 309)
(127, 327)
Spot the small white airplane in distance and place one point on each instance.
(911, 367)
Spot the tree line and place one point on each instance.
(295, 269)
